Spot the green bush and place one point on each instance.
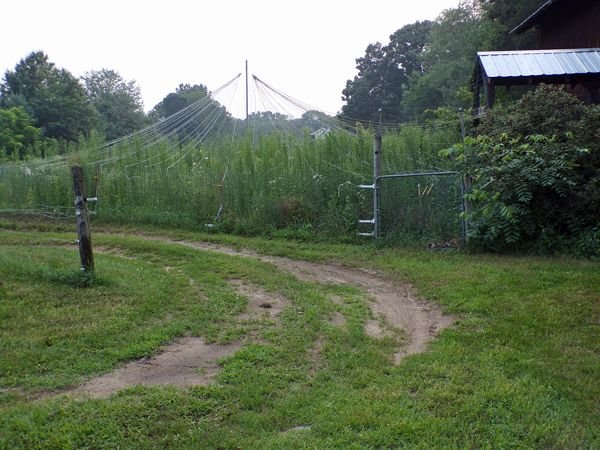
(536, 175)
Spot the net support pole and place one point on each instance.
(84, 238)
(247, 123)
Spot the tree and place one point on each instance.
(205, 117)
(536, 174)
(18, 135)
(53, 96)
(456, 36)
(117, 101)
(184, 96)
(384, 73)
(501, 16)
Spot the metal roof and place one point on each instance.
(532, 63)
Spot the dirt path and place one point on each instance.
(186, 362)
(396, 302)
(190, 361)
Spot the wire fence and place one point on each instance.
(198, 167)
(422, 208)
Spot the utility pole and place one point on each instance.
(84, 237)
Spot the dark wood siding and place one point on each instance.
(571, 27)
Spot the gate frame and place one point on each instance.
(376, 186)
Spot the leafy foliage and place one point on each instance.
(17, 134)
(501, 16)
(547, 110)
(53, 96)
(384, 73)
(449, 58)
(117, 101)
(531, 189)
(429, 64)
(523, 188)
(185, 96)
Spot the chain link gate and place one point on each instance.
(421, 208)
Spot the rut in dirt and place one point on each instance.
(191, 362)
(395, 302)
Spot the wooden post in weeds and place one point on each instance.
(84, 237)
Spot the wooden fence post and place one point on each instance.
(84, 237)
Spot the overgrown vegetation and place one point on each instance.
(536, 175)
(518, 369)
(255, 185)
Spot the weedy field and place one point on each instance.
(287, 359)
(278, 184)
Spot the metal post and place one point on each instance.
(466, 183)
(376, 182)
(86, 254)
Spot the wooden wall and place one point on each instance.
(573, 26)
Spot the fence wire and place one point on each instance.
(421, 209)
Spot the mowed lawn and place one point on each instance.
(520, 368)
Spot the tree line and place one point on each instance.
(429, 64)
(426, 65)
(45, 109)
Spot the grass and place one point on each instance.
(518, 369)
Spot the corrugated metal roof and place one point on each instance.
(532, 63)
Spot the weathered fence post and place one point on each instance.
(84, 237)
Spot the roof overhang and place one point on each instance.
(529, 66)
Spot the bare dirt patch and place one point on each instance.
(316, 358)
(186, 362)
(261, 303)
(338, 320)
(395, 301)
(190, 361)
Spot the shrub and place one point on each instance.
(536, 175)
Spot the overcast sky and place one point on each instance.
(306, 48)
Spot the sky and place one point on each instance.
(304, 48)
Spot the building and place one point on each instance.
(568, 53)
(562, 24)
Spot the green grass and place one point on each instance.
(520, 368)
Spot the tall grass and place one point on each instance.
(248, 185)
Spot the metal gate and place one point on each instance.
(416, 207)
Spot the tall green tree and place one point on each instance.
(501, 16)
(206, 117)
(456, 36)
(384, 73)
(117, 101)
(53, 96)
(184, 96)
(18, 135)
